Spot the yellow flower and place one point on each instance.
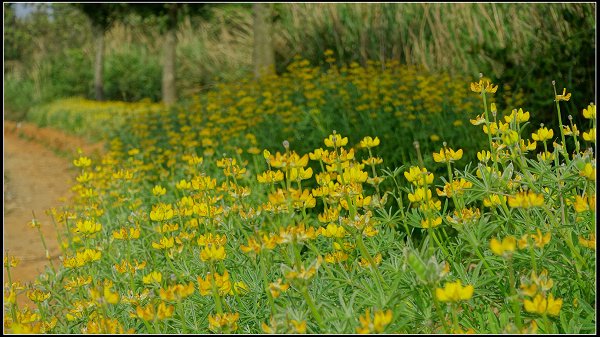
(87, 227)
(447, 155)
(159, 190)
(480, 119)
(564, 96)
(590, 136)
(161, 212)
(375, 325)
(588, 171)
(431, 223)
(164, 243)
(588, 243)
(227, 321)
(590, 112)
(583, 203)
(299, 327)
(277, 287)
(541, 305)
(153, 277)
(526, 200)
(369, 142)
(37, 295)
(454, 292)
(519, 115)
(480, 87)
(82, 162)
(212, 253)
(543, 134)
(270, 176)
(332, 231)
(494, 200)
(506, 247)
(123, 234)
(541, 240)
(335, 140)
(418, 176)
(12, 263)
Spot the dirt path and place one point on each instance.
(35, 179)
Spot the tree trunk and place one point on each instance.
(99, 63)
(169, 92)
(264, 55)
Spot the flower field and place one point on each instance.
(377, 199)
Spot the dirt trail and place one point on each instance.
(35, 179)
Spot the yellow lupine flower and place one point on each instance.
(299, 327)
(494, 200)
(543, 134)
(454, 292)
(507, 246)
(336, 140)
(520, 116)
(159, 190)
(420, 195)
(161, 212)
(431, 223)
(124, 234)
(480, 86)
(37, 295)
(541, 240)
(176, 292)
(590, 112)
(588, 243)
(277, 287)
(590, 136)
(375, 325)
(13, 262)
(480, 119)
(564, 97)
(87, 227)
(221, 321)
(270, 176)
(588, 172)
(82, 162)
(369, 142)
(332, 231)
(212, 253)
(447, 155)
(153, 277)
(418, 176)
(526, 200)
(583, 203)
(164, 243)
(541, 305)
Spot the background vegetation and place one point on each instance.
(524, 46)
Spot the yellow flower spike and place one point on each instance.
(164, 243)
(164, 311)
(480, 119)
(504, 248)
(543, 134)
(218, 322)
(418, 176)
(583, 203)
(454, 292)
(241, 288)
(590, 112)
(368, 142)
(590, 136)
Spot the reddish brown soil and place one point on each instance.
(35, 179)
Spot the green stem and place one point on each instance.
(313, 308)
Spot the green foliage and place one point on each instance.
(132, 74)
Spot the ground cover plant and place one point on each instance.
(214, 218)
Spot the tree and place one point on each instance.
(102, 16)
(264, 55)
(169, 15)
